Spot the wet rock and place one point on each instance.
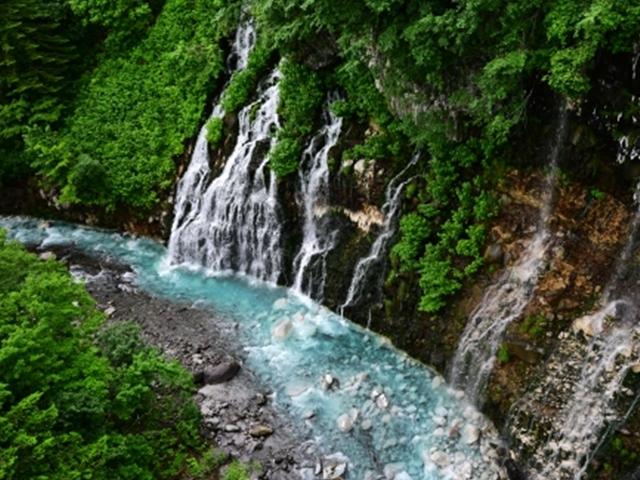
(493, 254)
(346, 421)
(360, 167)
(584, 325)
(437, 381)
(382, 401)
(471, 434)
(329, 382)
(282, 329)
(260, 431)
(523, 353)
(334, 466)
(220, 373)
(454, 432)
(440, 459)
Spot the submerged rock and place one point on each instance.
(346, 421)
(280, 304)
(282, 329)
(390, 470)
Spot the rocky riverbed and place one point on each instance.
(237, 412)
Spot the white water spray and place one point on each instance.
(505, 301)
(318, 237)
(231, 222)
(236, 225)
(378, 252)
(195, 179)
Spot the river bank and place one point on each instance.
(237, 415)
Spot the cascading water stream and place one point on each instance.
(313, 180)
(194, 181)
(390, 416)
(504, 301)
(594, 370)
(365, 268)
(235, 226)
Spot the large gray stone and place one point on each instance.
(223, 372)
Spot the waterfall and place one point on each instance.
(194, 181)
(591, 374)
(504, 301)
(313, 189)
(236, 225)
(364, 269)
(232, 222)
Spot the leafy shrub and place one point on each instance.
(215, 133)
(71, 409)
(503, 354)
(284, 156)
(300, 98)
(243, 83)
(236, 471)
(134, 112)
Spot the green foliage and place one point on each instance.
(243, 83)
(138, 108)
(39, 61)
(534, 325)
(236, 471)
(300, 98)
(120, 15)
(70, 408)
(596, 194)
(215, 131)
(437, 280)
(503, 354)
(284, 156)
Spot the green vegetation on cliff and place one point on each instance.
(78, 400)
(457, 79)
(121, 86)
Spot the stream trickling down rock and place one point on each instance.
(232, 222)
(390, 415)
(313, 189)
(585, 377)
(505, 301)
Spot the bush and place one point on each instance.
(284, 156)
(215, 134)
(134, 112)
(300, 99)
(72, 408)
